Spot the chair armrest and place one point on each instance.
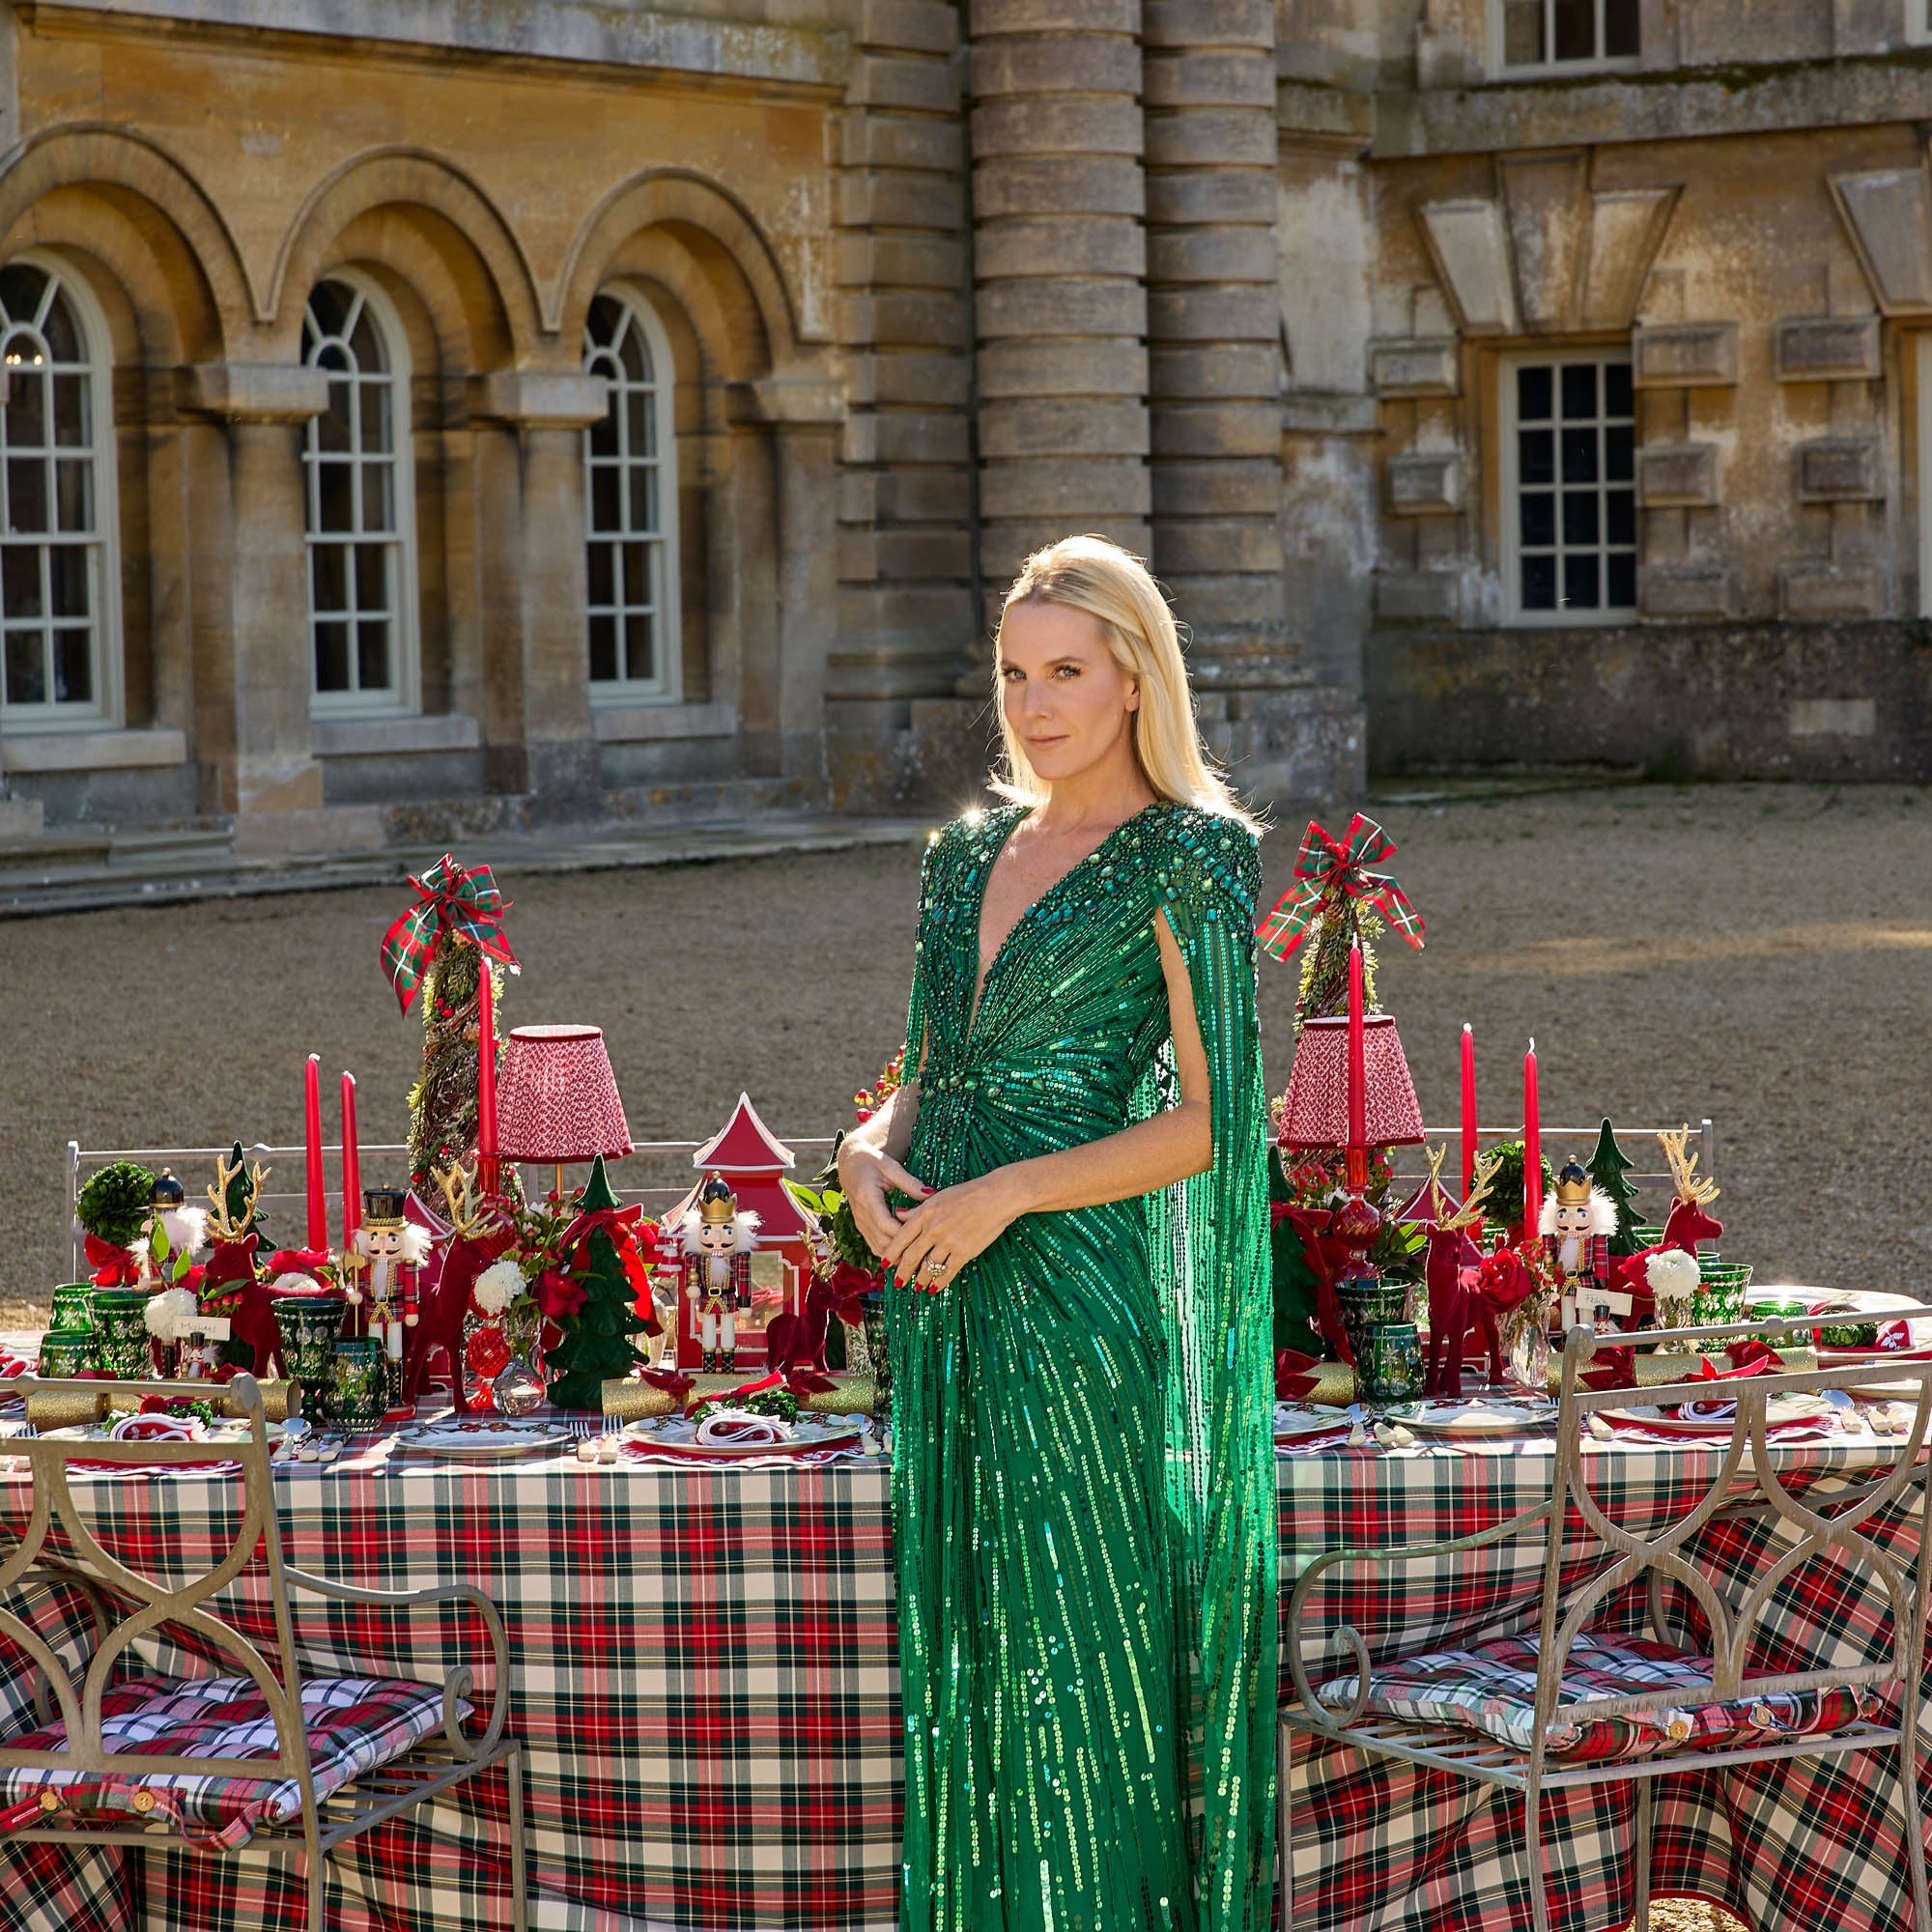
(1348, 1634)
(456, 1683)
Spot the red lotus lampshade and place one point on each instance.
(1315, 1112)
(557, 1099)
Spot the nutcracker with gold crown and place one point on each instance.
(716, 1242)
(380, 1265)
(1577, 1223)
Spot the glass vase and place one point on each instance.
(518, 1389)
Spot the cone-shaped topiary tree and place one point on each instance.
(607, 1269)
(1608, 1167)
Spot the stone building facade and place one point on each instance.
(425, 416)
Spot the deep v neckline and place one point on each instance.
(984, 975)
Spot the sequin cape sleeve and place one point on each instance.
(931, 866)
(1210, 1238)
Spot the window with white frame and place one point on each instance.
(361, 554)
(1564, 33)
(59, 577)
(630, 492)
(1917, 20)
(1568, 489)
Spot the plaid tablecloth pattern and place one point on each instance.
(707, 1687)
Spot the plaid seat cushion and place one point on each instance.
(354, 1724)
(1491, 1687)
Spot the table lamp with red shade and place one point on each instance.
(557, 1099)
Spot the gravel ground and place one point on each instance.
(1759, 953)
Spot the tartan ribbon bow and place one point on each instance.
(1327, 871)
(450, 899)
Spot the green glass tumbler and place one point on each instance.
(66, 1352)
(359, 1390)
(119, 1318)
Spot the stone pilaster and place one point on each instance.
(1060, 260)
(536, 715)
(263, 730)
(904, 556)
(1214, 329)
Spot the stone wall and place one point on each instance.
(1832, 701)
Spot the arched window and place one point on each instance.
(361, 552)
(58, 580)
(630, 489)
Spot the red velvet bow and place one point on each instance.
(799, 1383)
(674, 1383)
(1618, 1370)
(113, 1266)
(801, 1338)
(1748, 1357)
(637, 1253)
(1294, 1378)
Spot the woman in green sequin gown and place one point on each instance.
(1083, 1480)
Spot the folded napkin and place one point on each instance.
(741, 1429)
(153, 1428)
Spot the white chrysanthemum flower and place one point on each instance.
(1670, 1271)
(498, 1286)
(166, 1310)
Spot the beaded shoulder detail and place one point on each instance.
(1206, 859)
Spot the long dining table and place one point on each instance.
(704, 1679)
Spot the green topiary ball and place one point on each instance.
(116, 1201)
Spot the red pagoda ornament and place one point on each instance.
(745, 1157)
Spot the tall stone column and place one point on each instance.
(784, 703)
(1058, 262)
(1214, 330)
(539, 733)
(273, 769)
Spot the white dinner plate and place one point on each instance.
(1493, 1417)
(1295, 1419)
(481, 1440)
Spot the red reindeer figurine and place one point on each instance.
(1450, 1273)
(476, 1238)
(230, 1283)
(1686, 1225)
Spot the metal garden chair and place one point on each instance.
(1572, 1707)
(301, 1762)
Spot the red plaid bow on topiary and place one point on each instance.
(450, 901)
(1326, 871)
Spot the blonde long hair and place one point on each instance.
(1113, 585)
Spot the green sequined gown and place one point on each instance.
(1082, 1485)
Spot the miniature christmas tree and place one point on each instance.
(1607, 1168)
(442, 1103)
(596, 1336)
(442, 945)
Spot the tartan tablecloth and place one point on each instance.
(707, 1687)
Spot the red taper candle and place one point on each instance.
(352, 1164)
(1532, 1147)
(318, 1201)
(1468, 1112)
(486, 1080)
(1359, 1076)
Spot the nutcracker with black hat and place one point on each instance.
(1577, 1221)
(380, 1264)
(717, 1241)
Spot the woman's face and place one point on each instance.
(1068, 701)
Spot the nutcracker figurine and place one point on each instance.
(387, 1248)
(717, 1243)
(1577, 1223)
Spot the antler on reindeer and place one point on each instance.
(1699, 1193)
(224, 1227)
(1488, 1167)
(455, 1183)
